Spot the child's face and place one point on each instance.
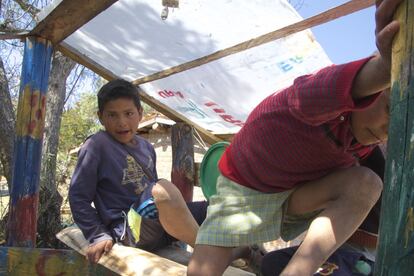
(120, 118)
(370, 126)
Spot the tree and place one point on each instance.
(7, 125)
(50, 201)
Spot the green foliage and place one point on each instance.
(147, 109)
(78, 123)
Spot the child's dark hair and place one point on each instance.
(116, 89)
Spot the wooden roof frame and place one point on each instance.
(69, 15)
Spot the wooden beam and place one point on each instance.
(28, 142)
(225, 137)
(164, 109)
(123, 260)
(67, 16)
(182, 174)
(38, 261)
(396, 244)
(342, 10)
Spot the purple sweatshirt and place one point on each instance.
(108, 175)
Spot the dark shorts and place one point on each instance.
(153, 235)
(343, 262)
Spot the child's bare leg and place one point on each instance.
(174, 214)
(346, 196)
(241, 252)
(209, 260)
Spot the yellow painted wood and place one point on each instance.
(34, 109)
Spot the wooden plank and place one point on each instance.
(396, 241)
(182, 174)
(182, 257)
(37, 261)
(67, 16)
(164, 109)
(126, 260)
(342, 10)
(28, 143)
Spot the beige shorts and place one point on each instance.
(239, 216)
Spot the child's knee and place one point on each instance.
(367, 185)
(165, 192)
(209, 260)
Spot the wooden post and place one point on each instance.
(28, 143)
(182, 174)
(396, 244)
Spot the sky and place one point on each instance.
(347, 38)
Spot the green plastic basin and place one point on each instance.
(209, 171)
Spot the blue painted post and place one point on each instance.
(28, 143)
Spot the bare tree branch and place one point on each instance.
(74, 84)
(27, 7)
(13, 35)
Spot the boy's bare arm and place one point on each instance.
(376, 73)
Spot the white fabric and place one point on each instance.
(131, 40)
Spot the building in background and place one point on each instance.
(156, 128)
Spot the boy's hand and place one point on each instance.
(386, 28)
(375, 75)
(95, 251)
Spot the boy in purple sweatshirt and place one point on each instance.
(116, 172)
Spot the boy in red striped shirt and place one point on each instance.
(294, 165)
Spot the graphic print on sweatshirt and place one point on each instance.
(134, 175)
